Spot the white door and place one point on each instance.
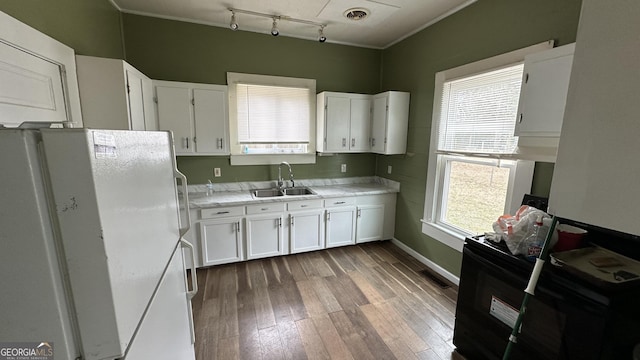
(338, 115)
(174, 114)
(360, 125)
(135, 101)
(379, 125)
(341, 226)
(32, 88)
(370, 222)
(210, 121)
(264, 235)
(306, 230)
(221, 241)
(166, 332)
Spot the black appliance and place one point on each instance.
(569, 317)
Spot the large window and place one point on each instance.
(272, 119)
(474, 175)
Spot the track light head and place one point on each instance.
(274, 27)
(233, 24)
(321, 36)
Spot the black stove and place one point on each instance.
(570, 317)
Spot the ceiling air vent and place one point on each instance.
(356, 14)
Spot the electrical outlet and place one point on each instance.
(389, 169)
(217, 172)
(343, 168)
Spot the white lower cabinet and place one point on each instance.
(375, 217)
(306, 226)
(237, 233)
(369, 223)
(220, 238)
(340, 222)
(264, 235)
(221, 241)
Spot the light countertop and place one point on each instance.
(231, 194)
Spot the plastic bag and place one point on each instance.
(515, 228)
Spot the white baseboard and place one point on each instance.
(430, 264)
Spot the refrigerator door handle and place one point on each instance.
(184, 228)
(194, 279)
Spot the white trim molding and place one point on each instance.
(430, 264)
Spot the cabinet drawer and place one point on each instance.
(264, 208)
(221, 212)
(340, 202)
(305, 204)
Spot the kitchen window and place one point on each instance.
(474, 174)
(272, 119)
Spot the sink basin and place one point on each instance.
(267, 193)
(298, 191)
(263, 193)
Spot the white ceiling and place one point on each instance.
(389, 21)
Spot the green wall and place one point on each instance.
(482, 30)
(91, 27)
(180, 51)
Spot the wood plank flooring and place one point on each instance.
(367, 301)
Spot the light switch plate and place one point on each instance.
(343, 168)
(217, 172)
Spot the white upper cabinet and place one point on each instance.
(350, 123)
(343, 122)
(38, 78)
(543, 95)
(197, 114)
(114, 95)
(595, 179)
(390, 120)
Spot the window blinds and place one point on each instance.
(478, 113)
(272, 114)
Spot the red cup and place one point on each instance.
(569, 237)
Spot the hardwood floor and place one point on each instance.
(367, 301)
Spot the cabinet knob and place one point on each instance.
(344, 142)
(353, 142)
(520, 119)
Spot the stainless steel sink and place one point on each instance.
(267, 193)
(263, 193)
(298, 191)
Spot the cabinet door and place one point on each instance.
(306, 230)
(135, 101)
(264, 235)
(379, 125)
(337, 114)
(174, 114)
(369, 223)
(221, 241)
(543, 96)
(360, 125)
(341, 226)
(210, 121)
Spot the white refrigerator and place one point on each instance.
(91, 248)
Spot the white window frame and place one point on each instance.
(236, 149)
(521, 174)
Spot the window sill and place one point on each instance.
(272, 159)
(443, 235)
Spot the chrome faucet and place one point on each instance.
(280, 179)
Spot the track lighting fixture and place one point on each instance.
(274, 25)
(234, 24)
(321, 36)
